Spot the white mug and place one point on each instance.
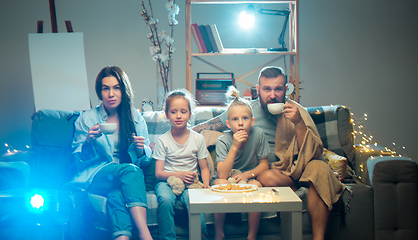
(108, 128)
(275, 108)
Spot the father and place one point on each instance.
(297, 146)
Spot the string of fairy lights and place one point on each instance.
(364, 140)
(10, 150)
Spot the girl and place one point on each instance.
(244, 148)
(178, 153)
(109, 165)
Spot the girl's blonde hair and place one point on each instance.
(234, 100)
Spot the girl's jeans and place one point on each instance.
(166, 199)
(124, 187)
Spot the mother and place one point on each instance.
(109, 165)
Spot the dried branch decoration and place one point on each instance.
(161, 44)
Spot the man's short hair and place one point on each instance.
(271, 72)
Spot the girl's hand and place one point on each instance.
(93, 134)
(206, 186)
(240, 137)
(187, 177)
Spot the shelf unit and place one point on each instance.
(292, 52)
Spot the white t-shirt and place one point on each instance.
(180, 157)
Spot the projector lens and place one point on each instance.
(37, 201)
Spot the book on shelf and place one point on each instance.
(211, 38)
(217, 38)
(205, 37)
(196, 40)
(199, 37)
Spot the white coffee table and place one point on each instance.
(263, 200)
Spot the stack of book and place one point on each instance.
(207, 38)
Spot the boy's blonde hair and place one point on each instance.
(234, 100)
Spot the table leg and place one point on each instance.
(194, 226)
(291, 225)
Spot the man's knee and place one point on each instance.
(319, 166)
(267, 178)
(275, 178)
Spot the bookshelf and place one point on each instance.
(292, 53)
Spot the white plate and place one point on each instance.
(253, 188)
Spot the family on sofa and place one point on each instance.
(110, 164)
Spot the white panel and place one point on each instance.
(58, 68)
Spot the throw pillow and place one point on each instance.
(336, 162)
(149, 175)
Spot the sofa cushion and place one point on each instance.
(335, 127)
(52, 135)
(395, 188)
(358, 219)
(149, 176)
(336, 162)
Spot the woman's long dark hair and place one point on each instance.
(126, 120)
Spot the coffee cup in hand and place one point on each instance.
(108, 128)
(275, 108)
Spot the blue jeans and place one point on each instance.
(124, 187)
(166, 200)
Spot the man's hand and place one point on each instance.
(187, 177)
(292, 113)
(240, 137)
(93, 134)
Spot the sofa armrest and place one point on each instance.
(15, 169)
(395, 188)
(19, 156)
(362, 154)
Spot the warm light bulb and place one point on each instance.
(246, 19)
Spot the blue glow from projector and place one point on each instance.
(37, 201)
